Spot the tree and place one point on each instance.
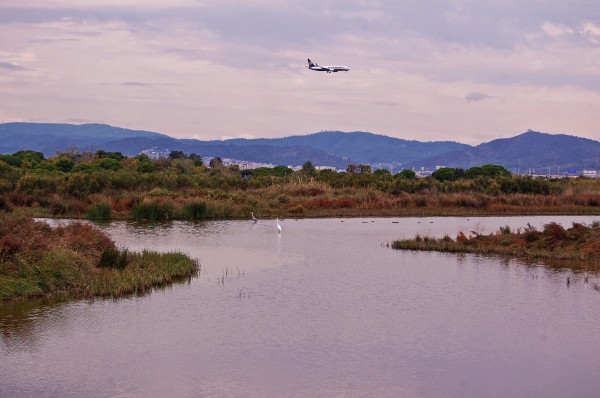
(177, 155)
(101, 154)
(116, 155)
(448, 174)
(145, 166)
(197, 159)
(358, 169)
(216, 163)
(488, 170)
(282, 171)
(308, 168)
(65, 164)
(382, 172)
(11, 160)
(29, 158)
(108, 164)
(364, 168)
(408, 174)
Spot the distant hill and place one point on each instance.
(49, 138)
(363, 147)
(325, 148)
(531, 150)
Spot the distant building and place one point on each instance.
(590, 173)
(155, 153)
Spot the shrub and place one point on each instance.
(154, 211)
(298, 209)
(159, 192)
(4, 204)
(195, 210)
(505, 230)
(555, 231)
(108, 164)
(100, 211)
(113, 258)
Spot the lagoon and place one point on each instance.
(323, 309)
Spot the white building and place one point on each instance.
(590, 173)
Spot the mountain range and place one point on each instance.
(531, 150)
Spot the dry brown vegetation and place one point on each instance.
(578, 243)
(138, 188)
(77, 260)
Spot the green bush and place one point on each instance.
(113, 258)
(154, 211)
(195, 210)
(100, 211)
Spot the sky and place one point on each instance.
(465, 70)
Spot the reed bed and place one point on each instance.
(578, 243)
(176, 190)
(78, 260)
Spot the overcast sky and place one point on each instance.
(464, 70)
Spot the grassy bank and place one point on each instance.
(579, 243)
(37, 260)
(303, 198)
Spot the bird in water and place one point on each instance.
(253, 218)
(278, 226)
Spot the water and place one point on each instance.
(322, 310)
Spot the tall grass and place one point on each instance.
(77, 260)
(554, 242)
(195, 210)
(153, 211)
(100, 211)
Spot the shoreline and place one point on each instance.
(78, 260)
(580, 243)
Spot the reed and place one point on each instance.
(554, 242)
(195, 210)
(100, 211)
(153, 211)
(77, 260)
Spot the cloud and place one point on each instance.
(12, 66)
(556, 30)
(476, 96)
(233, 68)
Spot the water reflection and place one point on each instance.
(320, 310)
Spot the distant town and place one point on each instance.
(421, 172)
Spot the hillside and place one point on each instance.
(531, 151)
(325, 148)
(49, 138)
(363, 147)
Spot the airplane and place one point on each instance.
(313, 66)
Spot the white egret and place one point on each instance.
(278, 226)
(253, 218)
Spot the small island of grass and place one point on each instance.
(78, 259)
(579, 243)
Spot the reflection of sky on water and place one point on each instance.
(324, 309)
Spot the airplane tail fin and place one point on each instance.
(311, 63)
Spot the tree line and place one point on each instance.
(84, 173)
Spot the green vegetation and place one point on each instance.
(100, 211)
(107, 185)
(77, 260)
(579, 243)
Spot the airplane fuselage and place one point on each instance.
(326, 68)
